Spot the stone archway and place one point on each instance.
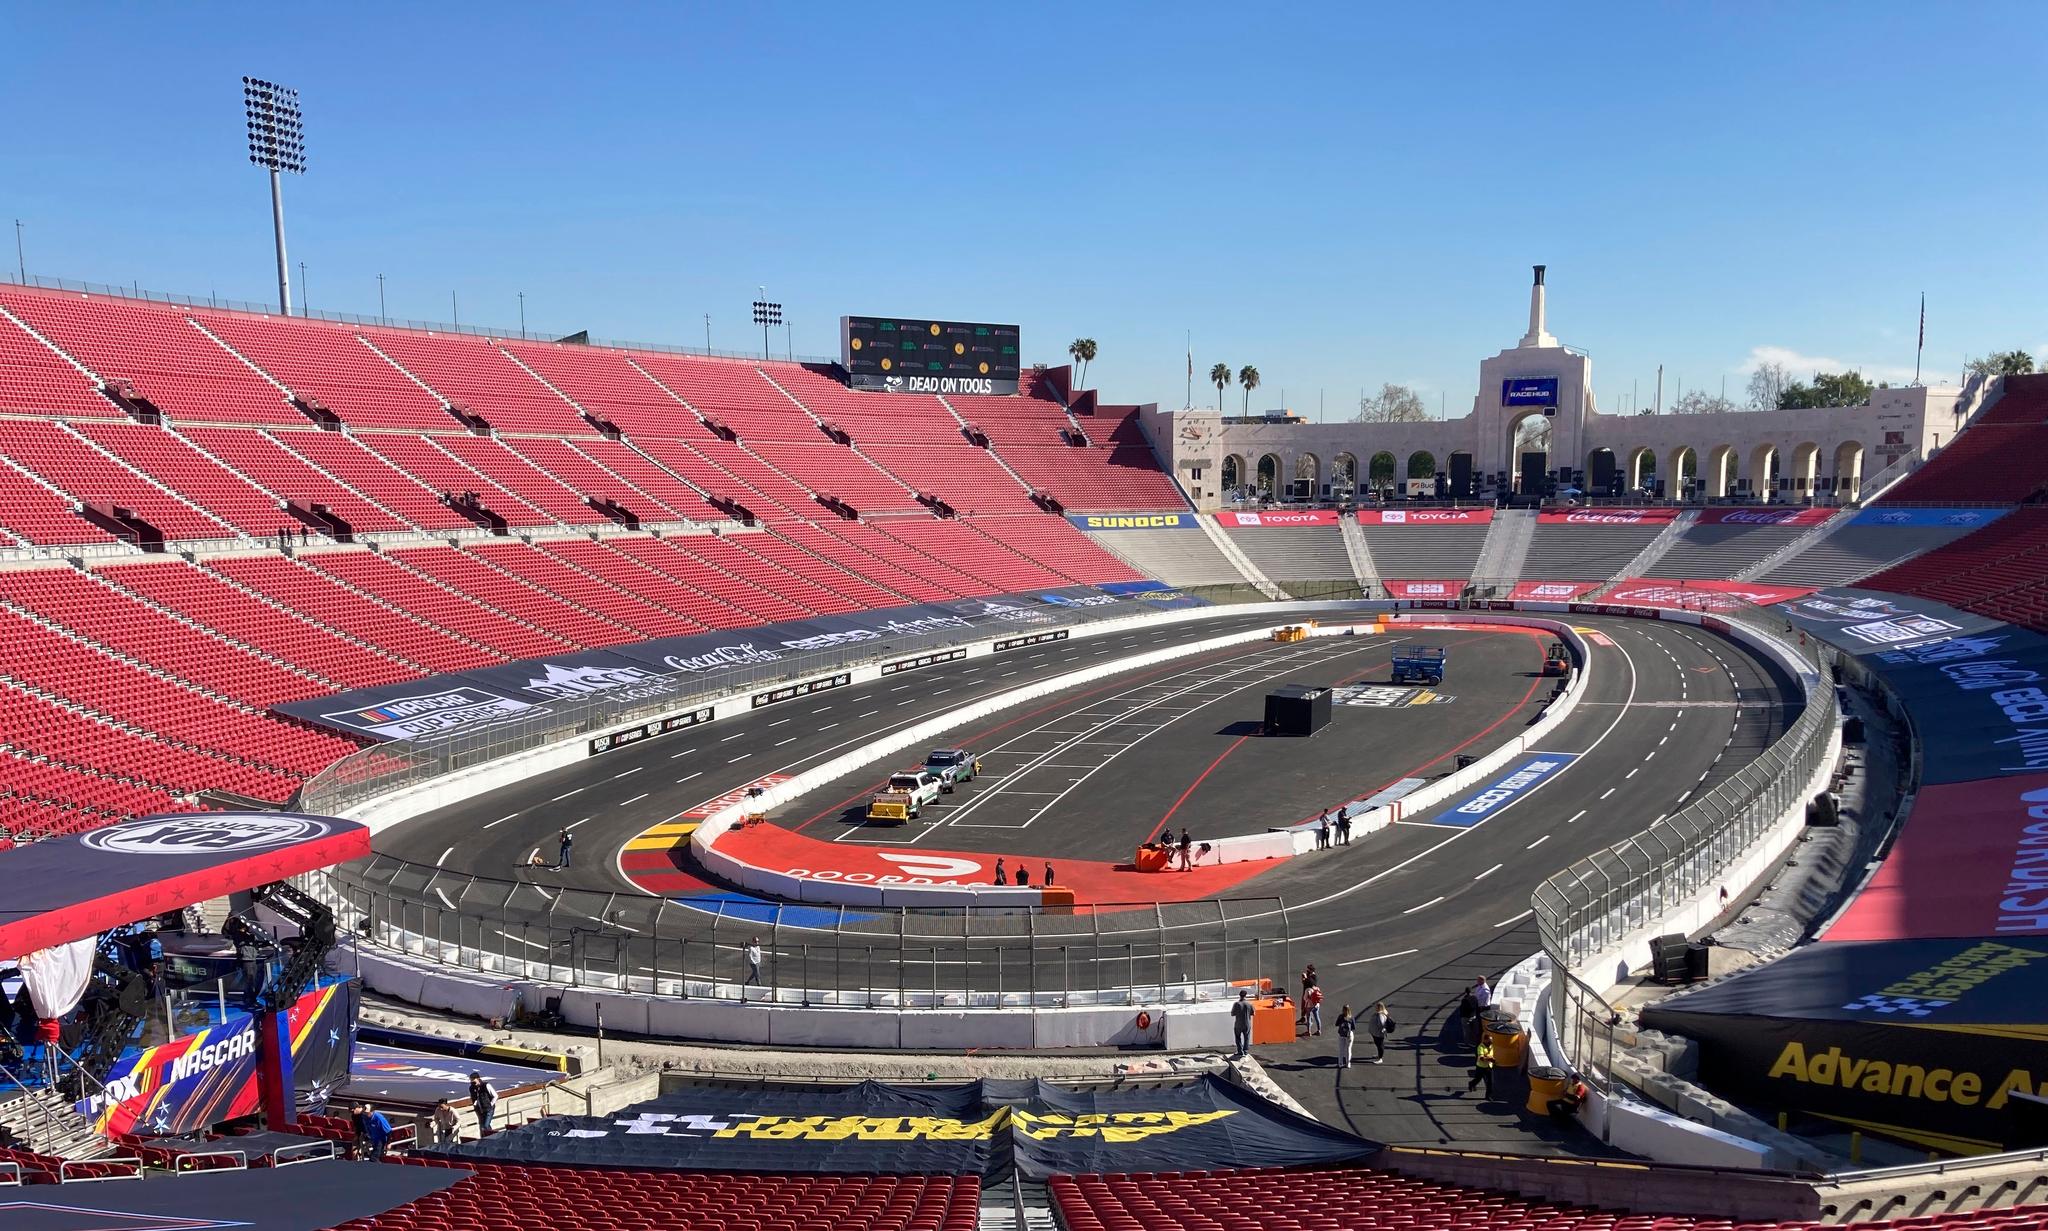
(1849, 470)
(1720, 476)
(1765, 468)
(1422, 466)
(1591, 484)
(1683, 468)
(1471, 469)
(1310, 467)
(1641, 474)
(1234, 476)
(1805, 469)
(1268, 478)
(1528, 432)
(1379, 473)
(1343, 476)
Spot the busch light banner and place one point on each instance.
(987, 1128)
(197, 1081)
(675, 669)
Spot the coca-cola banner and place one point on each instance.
(1605, 517)
(1550, 591)
(1280, 517)
(1765, 517)
(1423, 589)
(1700, 595)
(1426, 517)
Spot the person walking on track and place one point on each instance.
(1187, 848)
(1241, 1023)
(1308, 980)
(753, 961)
(1347, 1030)
(1482, 1069)
(568, 841)
(1379, 1024)
(1312, 1000)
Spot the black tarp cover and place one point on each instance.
(985, 1128)
(65, 889)
(1923, 1039)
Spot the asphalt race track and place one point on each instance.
(1670, 711)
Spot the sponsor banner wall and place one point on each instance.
(1606, 517)
(673, 668)
(1281, 517)
(1765, 517)
(1444, 589)
(1971, 861)
(194, 1082)
(1527, 774)
(1426, 517)
(1924, 1038)
(1699, 595)
(1550, 591)
(1135, 521)
(1967, 518)
(987, 1128)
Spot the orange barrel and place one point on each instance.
(1151, 858)
(1545, 1084)
(1510, 1043)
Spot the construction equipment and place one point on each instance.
(1422, 664)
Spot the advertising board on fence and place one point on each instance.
(1426, 517)
(1280, 517)
(1788, 516)
(1135, 521)
(1606, 517)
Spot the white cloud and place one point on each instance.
(1802, 367)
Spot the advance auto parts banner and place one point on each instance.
(194, 1082)
(985, 1128)
(1927, 1040)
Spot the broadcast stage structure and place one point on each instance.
(1774, 456)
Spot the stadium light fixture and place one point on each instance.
(277, 143)
(767, 316)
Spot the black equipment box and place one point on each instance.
(1296, 709)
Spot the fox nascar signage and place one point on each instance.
(901, 355)
(197, 1081)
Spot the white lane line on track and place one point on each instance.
(735, 735)
(622, 773)
(687, 777)
(500, 821)
(1609, 791)
(1682, 798)
(1517, 919)
(821, 709)
(1576, 815)
(685, 752)
(1378, 957)
(791, 740)
(1631, 773)
(1538, 842)
(869, 714)
(778, 722)
(636, 799)
(1489, 872)
(1424, 905)
(1317, 935)
(566, 794)
(443, 860)
(741, 757)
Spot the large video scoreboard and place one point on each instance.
(909, 356)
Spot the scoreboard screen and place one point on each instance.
(898, 355)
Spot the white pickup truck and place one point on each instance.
(904, 797)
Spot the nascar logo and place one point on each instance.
(211, 833)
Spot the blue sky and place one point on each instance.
(1341, 197)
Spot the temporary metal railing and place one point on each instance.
(1591, 906)
(814, 955)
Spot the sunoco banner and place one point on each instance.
(985, 1128)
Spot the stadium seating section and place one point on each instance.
(579, 1199)
(2000, 571)
(1361, 1200)
(448, 501)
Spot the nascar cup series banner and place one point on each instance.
(646, 673)
(199, 1080)
(1942, 1042)
(986, 1128)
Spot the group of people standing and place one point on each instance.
(1335, 832)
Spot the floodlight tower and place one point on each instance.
(767, 315)
(277, 142)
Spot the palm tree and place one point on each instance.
(1083, 352)
(1248, 377)
(1219, 376)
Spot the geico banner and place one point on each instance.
(1606, 517)
(195, 1082)
(1965, 519)
(1135, 521)
(988, 1128)
(1972, 860)
(1280, 517)
(1765, 517)
(1925, 1039)
(1425, 517)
